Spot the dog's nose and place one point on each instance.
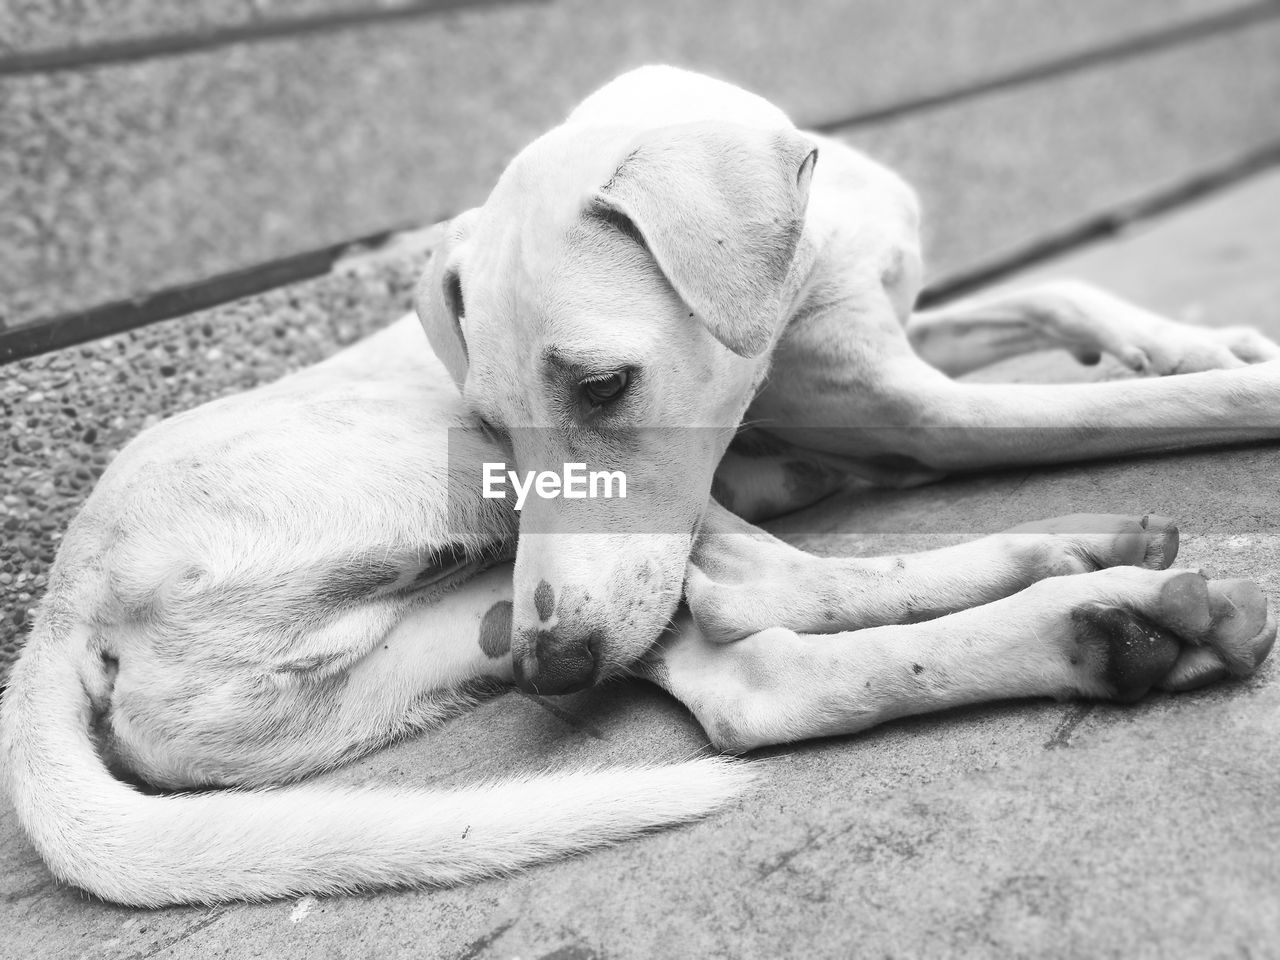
(557, 661)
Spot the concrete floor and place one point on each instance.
(1015, 829)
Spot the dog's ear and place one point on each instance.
(440, 302)
(720, 207)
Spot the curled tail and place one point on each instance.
(150, 850)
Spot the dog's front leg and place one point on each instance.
(1113, 634)
(741, 580)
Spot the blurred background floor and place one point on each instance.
(123, 172)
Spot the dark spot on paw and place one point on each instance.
(495, 630)
(1136, 653)
(916, 668)
(544, 600)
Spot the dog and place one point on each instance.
(679, 286)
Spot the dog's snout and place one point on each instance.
(559, 660)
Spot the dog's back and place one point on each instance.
(657, 96)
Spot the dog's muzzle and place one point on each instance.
(562, 659)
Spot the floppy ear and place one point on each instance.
(440, 304)
(720, 207)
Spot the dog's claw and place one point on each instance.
(1135, 359)
(1196, 668)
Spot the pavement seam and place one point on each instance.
(133, 49)
(1128, 48)
(1099, 225)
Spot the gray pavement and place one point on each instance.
(1014, 829)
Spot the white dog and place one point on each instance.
(274, 583)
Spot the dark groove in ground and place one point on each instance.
(211, 38)
(165, 942)
(1153, 42)
(1102, 224)
(1076, 714)
(479, 946)
(119, 316)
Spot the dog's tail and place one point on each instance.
(143, 849)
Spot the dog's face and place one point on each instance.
(612, 305)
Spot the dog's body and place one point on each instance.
(272, 584)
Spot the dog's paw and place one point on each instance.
(1173, 348)
(1189, 632)
(1084, 542)
(1090, 322)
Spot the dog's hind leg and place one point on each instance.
(276, 581)
(875, 399)
(391, 666)
(741, 579)
(1113, 634)
(1082, 319)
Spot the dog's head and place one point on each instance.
(613, 304)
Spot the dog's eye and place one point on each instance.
(605, 388)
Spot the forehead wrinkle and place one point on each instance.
(579, 359)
